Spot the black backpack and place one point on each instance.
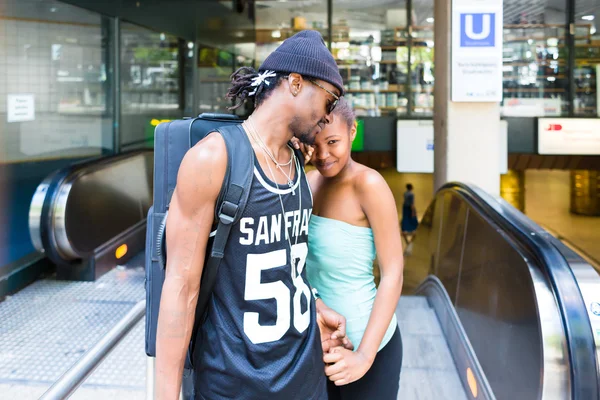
(171, 141)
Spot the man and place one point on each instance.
(264, 335)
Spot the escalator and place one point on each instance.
(90, 216)
(514, 306)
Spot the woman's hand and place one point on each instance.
(306, 149)
(345, 366)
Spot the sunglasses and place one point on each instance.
(330, 106)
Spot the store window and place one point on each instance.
(150, 83)
(54, 104)
(421, 58)
(215, 67)
(535, 60)
(587, 58)
(276, 21)
(371, 48)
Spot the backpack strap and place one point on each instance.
(230, 207)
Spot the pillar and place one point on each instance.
(466, 134)
(585, 192)
(512, 188)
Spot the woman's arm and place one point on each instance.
(379, 206)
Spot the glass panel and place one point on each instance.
(53, 104)
(370, 46)
(587, 58)
(214, 69)
(535, 76)
(150, 87)
(276, 21)
(422, 73)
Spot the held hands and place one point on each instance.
(343, 366)
(332, 327)
(306, 149)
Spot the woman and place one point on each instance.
(355, 217)
(409, 217)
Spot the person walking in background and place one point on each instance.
(409, 222)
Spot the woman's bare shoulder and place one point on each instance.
(368, 179)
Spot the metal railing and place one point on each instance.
(68, 383)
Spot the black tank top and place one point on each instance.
(260, 339)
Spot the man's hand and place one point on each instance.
(333, 328)
(306, 149)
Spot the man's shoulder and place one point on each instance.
(203, 166)
(209, 152)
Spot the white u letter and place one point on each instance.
(485, 28)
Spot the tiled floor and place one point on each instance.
(46, 327)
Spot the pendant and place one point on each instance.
(295, 272)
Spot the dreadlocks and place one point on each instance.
(245, 83)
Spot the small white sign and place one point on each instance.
(415, 146)
(477, 51)
(578, 136)
(20, 107)
(531, 107)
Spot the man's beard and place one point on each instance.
(305, 136)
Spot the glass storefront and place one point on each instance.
(150, 83)
(372, 53)
(535, 61)
(54, 107)
(586, 59)
(59, 103)
(387, 58)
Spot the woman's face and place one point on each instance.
(333, 146)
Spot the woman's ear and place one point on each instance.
(353, 131)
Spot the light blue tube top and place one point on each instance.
(340, 266)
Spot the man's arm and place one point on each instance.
(190, 219)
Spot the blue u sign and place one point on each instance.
(477, 30)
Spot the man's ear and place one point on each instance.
(296, 82)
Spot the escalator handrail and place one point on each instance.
(61, 177)
(579, 335)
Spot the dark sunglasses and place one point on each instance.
(334, 103)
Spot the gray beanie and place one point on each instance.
(305, 53)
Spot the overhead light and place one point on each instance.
(53, 9)
(190, 45)
(276, 34)
(588, 17)
(430, 20)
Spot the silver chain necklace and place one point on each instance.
(294, 258)
(258, 140)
